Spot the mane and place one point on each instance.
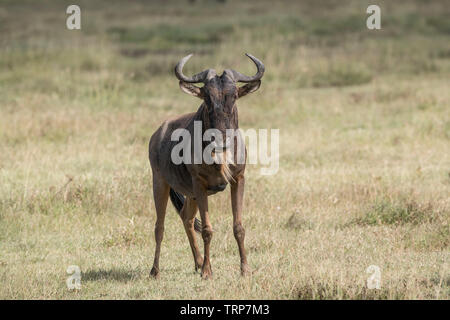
(225, 159)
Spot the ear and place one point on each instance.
(249, 88)
(191, 89)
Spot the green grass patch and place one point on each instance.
(340, 75)
(396, 212)
(173, 35)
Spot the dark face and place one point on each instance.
(220, 95)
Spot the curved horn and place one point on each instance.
(199, 77)
(239, 77)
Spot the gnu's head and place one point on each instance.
(219, 93)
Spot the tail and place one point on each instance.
(178, 202)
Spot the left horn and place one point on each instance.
(239, 77)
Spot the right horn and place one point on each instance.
(199, 77)
(239, 77)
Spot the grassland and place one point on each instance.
(364, 124)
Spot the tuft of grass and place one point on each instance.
(122, 275)
(341, 75)
(397, 212)
(440, 24)
(337, 26)
(173, 35)
(296, 222)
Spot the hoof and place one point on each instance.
(154, 273)
(198, 265)
(206, 273)
(245, 270)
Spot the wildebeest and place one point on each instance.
(197, 181)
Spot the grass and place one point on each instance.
(364, 172)
(389, 213)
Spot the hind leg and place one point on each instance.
(188, 216)
(160, 195)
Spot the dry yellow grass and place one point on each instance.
(364, 173)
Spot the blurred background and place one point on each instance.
(364, 147)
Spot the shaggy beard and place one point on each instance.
(225, 159)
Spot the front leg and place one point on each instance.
(237, 197)
(202, 202)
